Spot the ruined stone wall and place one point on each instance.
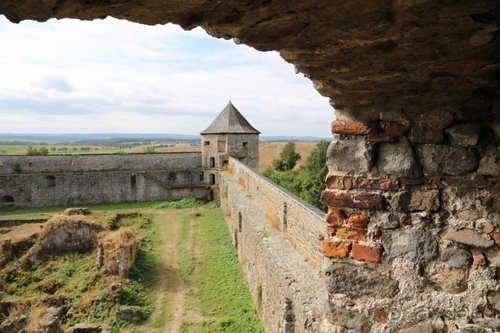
(413, 218)
(43, 181)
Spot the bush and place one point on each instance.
(35, 151)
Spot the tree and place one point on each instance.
(312, 175)
(307, 182)
(288, 158)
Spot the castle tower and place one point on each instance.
(230, 134)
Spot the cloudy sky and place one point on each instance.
(70, 76)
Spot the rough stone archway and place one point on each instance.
(414, 165)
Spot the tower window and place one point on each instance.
(206, 143)
(245, 144)
(133, 180)
(202, 176)
(212, 162)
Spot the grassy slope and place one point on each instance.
(211, 267)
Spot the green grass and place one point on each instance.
(180, 204)
(183, 203)
(220, 291)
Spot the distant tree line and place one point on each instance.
(306, 182)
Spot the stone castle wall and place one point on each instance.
(15, 164)
(276, 236)
(73, 180)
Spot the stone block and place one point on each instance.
(353, 200)
(334, 249)
(350, 155)
(366, 253)
(380, 316)
(424, 201)
(456, 258)
(358, 221)
(417, 245)
(452, 281)
(468, 237)
(393, 129)
(424, 134)
(463, 134)
(489, 165)
(400, 202)
(398, 159)
(450, 160)
(349, 127)
(356, 281)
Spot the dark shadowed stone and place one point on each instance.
(417, 245)
(400, 201)
(467, 237)
(344, 278)
(452, 281)
(451, 160)
(489, 165)
(351, 155)
(456, 258)
(398, 159)
(463, 134)
(424, 134)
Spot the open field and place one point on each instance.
(269, 151)
(186, 277)
(57, 149)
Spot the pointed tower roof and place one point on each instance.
(230, 120)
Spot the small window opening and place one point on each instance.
(202, 176)
(212, 178)
(239, 221)
(245, 144)
(133, 180)
(171, 176)
(235, 240)
(206, 143)
(51, 181)
(212, 162)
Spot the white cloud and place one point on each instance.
(71, 76)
